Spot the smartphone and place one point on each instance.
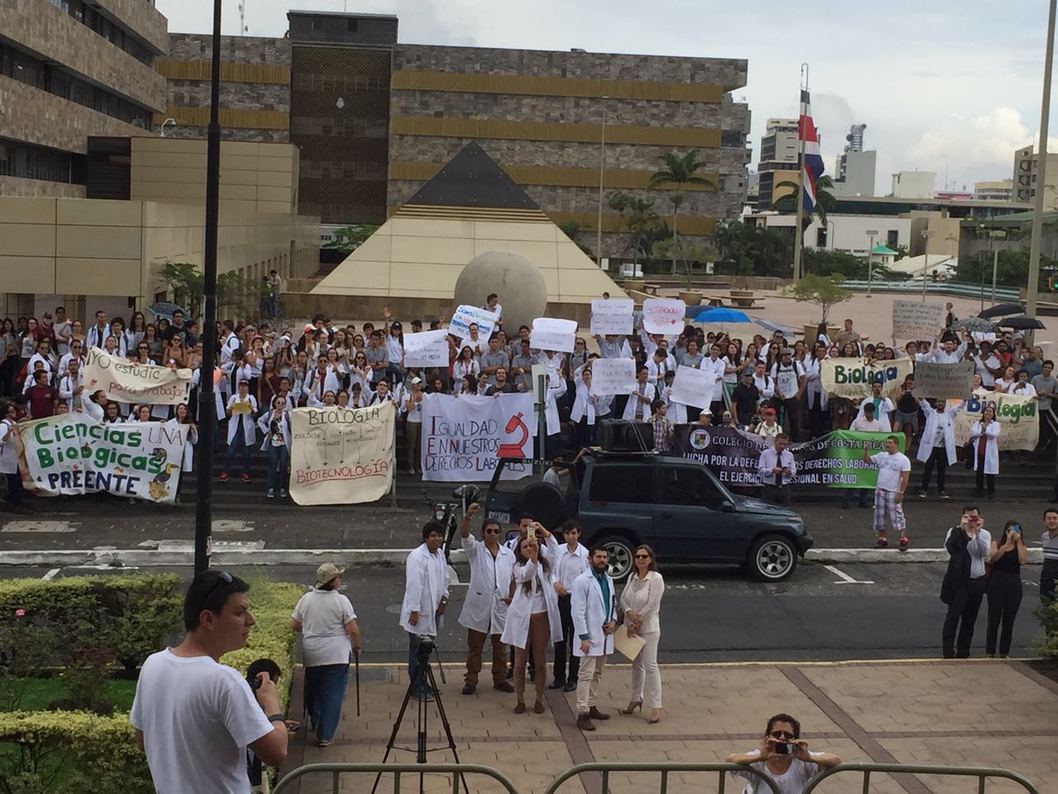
(1016, 528)
(782, 748)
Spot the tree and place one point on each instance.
(825, 201)
(752, 250)
(679, 170)
(572, 230)
(236, 292)
(1012, 270)
(641, 220)
(680, 250)
(826, 291)
(348, 238)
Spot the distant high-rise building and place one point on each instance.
(778, 160)
(998, 190)
(855, 167)
(914, 184)
(1026, 177)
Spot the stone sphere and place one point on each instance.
(518, 282)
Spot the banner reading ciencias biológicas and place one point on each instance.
(341, 455)
(72, 454)
(464, 437)
(126, 382)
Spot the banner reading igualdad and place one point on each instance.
(72, 454)
(341, 455)
(125, 382)
(851, 378)
(1018, 417)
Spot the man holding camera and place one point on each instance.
(783, 757)
(425, 598)
(593, 602)
(969, 547)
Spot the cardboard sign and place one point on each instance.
(664, 315)
(917, 320)
(692, 387)
(553, 334)
(613, 376)
(464, 437)
(125, 382)
(1018, 417)
(944, 381)
(426, 349)
(485, 320)
(611, 316)
(851, 378)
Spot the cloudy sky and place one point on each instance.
(944, 86)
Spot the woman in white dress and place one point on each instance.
(641, 602)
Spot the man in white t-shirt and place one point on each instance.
(894, 471)
(783, 757)
(194, 717)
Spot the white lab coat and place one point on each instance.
(516, 631)
(676, 412)
(590, 612)
(636, 409)
(991, 446)
(484, 609)
(885, 408)
(946, 419)
(249, 431)
(188, 463)
(556, 387)
(265, 423)
(586, 404)
(8, 451)
(425, 584)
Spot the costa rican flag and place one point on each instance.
(808, 135)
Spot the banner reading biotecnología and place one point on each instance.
(834, 460)
(850, 377)
(341, 455)
(463, 437)
(1018, 417)
(72, 454)
(124, 382)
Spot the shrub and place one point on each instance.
(1048, 615)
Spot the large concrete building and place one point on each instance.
(1026, 177)
(777, 162)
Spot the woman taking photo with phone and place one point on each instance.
(1004, 587)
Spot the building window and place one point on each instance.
(352, 25)
(111, 31)
(892, 238)
(27, 161)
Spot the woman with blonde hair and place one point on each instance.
(641, 602)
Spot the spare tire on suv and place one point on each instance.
(544, 502)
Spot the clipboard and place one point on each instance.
(629, 647)
(240, 407)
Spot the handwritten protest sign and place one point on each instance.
(611, 316)
(461, 321)
(341, 455)
(426, 349)
(1018, 417)
(851, 378)
(464, 437)
(552, 334)
(942, 381)
(125, 382)
(916, 320)
(664, 315)
(693, 387)
(613, 376)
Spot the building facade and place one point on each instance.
(777, 162)
(996, 190)
(1026, 177)
(913, 184)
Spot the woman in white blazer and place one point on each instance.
(641, 602)
(937, 445)
(533, 620)
(276, 429)
(984, 436)
(640, 399)
(586, 410)
(556, 387)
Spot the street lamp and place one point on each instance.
(1041, 169)
(995, 234)
(602, 167)
(872, 233)
(926, 234)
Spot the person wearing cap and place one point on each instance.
(705, 418)
(329, 636)
(769, 427)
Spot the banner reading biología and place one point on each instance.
(341, 455)
(834, 460)
(850, 377)
(72, 454)
(135, 383)
(1019, 419)
(463, 437)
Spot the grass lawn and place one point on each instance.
(37, 693)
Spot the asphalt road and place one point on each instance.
(887, 612)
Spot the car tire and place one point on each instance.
(772, 559)
(620, 550)
(545, 503)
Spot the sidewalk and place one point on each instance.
(971, 713)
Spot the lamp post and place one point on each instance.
(602, 168)
(871, 233)
(997, 234)
(926, 234)
(1041, 180)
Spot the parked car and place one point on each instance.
(677, 506)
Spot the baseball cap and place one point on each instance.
(328, 571)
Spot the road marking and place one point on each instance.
(40, 526)
(51, 574)
(845, 578)
(231, 525)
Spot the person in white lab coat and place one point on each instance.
(640, 399)
(570, 562)
(587, 408)
(242, 432)
(276, 429)
(593, 602)
(984, 437)
(556, 387)
(425, 598)
(937, 445)
(484, 612)
(533, 620)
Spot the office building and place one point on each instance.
(777, 163)
(997, 190)
(854, 174)
(913, 184)
(1026, 177)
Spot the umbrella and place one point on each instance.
(1002, 310)
(768, 325)
(720, 314)
(1021, 323)
(165, 309)
(973, 324)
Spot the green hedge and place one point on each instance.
(64, 752)
(1048, 615)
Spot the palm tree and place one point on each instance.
(825, 200)
(679, 170)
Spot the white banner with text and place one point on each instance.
(464, 437)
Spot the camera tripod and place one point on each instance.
(421, 686)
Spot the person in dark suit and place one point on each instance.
(969, 547)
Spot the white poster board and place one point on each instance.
(611, 316)
(693, 387)
(485, 320)
(916, 320)
(464, 437)
(426, 349)
(666, 316)
(613, 376)
(550, 333)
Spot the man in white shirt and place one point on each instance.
(572, 562)
(715, 366)
(777, 470)
(894, 471)
(783, 757)
(492, 304)
(425, 599)
(194, 717)
(789, 377)
(98, 333)
(969, 547)
(883, 406)
(71, 385)
(73, 353)
(947, 352)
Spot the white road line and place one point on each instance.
(845, 578)
(51, 574)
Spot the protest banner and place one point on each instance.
(833, 461)
(125, 382)
(72, 454)
(553, 334)
(944, 381)
(613, 376)
(459, 326)
(464, 437)
(1018, 417)
(693, 387)
(851, 378)
(916, 320)
(665, 316)
(341, 455)
(426, 349)
(611, 316)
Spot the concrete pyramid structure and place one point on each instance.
(471, 206)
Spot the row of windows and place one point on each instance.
(115, 34)
(39, 162)
(18, 65)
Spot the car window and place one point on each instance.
(622, 484)
(685, 485)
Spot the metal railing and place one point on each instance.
(664, 768)
(981, 773)
(397, 770)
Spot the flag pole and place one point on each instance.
(800, 198)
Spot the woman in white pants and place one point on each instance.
(641, 602)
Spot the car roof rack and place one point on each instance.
(623, 453)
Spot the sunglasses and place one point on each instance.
(492, 532)
(642, 556)
(782, 735)
(222, 576)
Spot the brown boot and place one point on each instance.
(584, 722)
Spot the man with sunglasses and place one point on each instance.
(484, 611)
(194, 717)
(783, 757)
